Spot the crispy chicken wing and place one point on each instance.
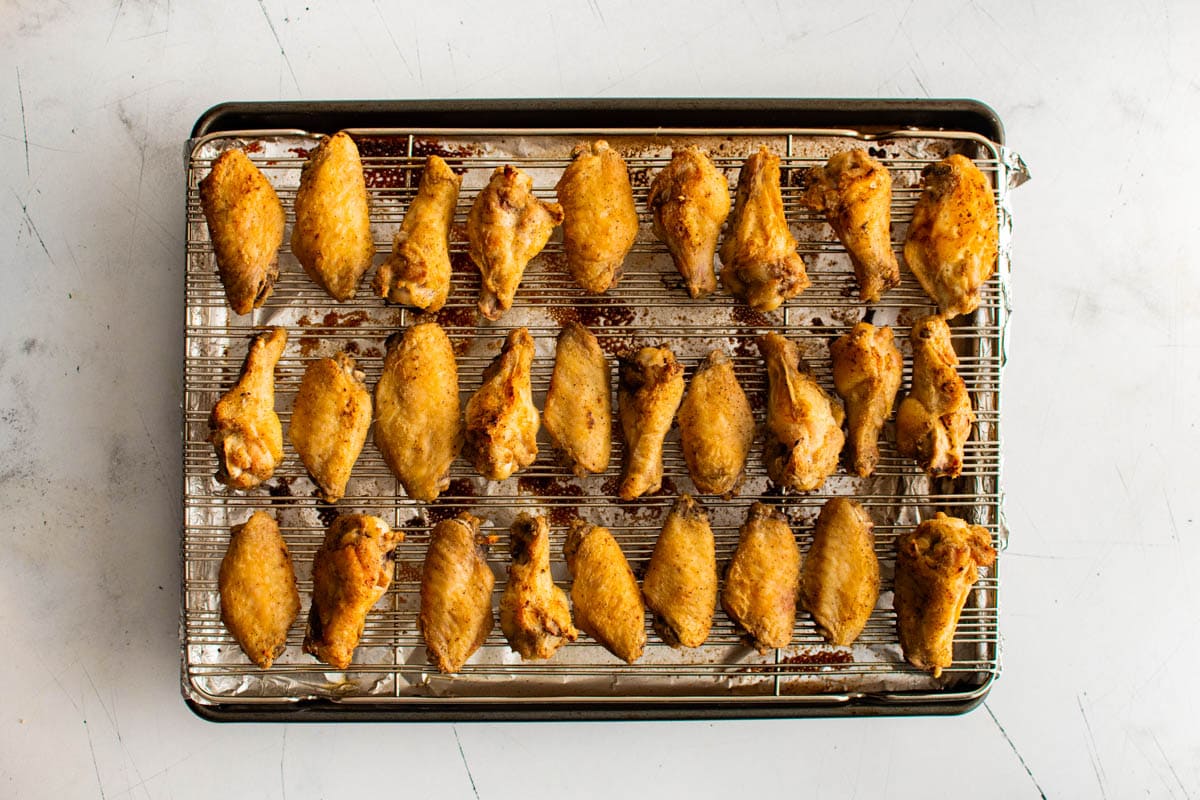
(681, 582)
(839, 583)
(953, 239)
(649, 391)
(330, 419)
(867, 369)
(689, 200)
(332, 234)
(604, 592)
(600, 220)
(418, 425)
(417, 273)
(257, 582)
(763, 580)
(534, 614)
(934, 420)
(936, 566)
(578, 409)
(456, 593)
(245, 222)
(351, 571)
(506, 227)
(804, 427)
(854, 191)
(502, 421)
(243, 425)
(759, 262)
(716, 427)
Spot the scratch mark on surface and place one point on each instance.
(279, 42)
(595, 6)
(32, 227)
(1170, 766)
(95, 763)
(282, 754)
(1016, 752)
(1093, 753)
(1171, 516)
(388, 30)
(453, 67)
(1124, 483)
(116, 17)
(853, 22)
(35, 144)
(463, 756)
(24, 127)
(920, 82)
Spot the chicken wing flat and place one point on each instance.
(759, 262)
(332, 234)
(456, 593)
(716, 427)
(934, 420)
(243, 426)
(330, 419)
(578, 409)
(245, 222)
(763, 580)
(854, 191)
(867, 370)
(506, 227)
(689, 200)
(257, 582)
(418, 424)
(936, 566)
(417, 273)
(839, 582)
(680, 586)
(600, 219)
(604, 592)
(352, 569)
(502, 421)
(534, 614)
(953, 238)
(804, 427)
(648, 394)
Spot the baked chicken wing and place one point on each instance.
(934, 420)
(243, 426)
(680, 586)
(648, 394)
(600, 219)
(867, 369)
(763, 580)
(578, 409)
(456, 593)
(689, 201)
(502, 421)
(330, 419)
(839, 582)
(257, 582)
(534, 614)
(605, 595)
(716, 427)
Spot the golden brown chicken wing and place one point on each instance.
(804, 427)
(257, 582)
(934, 420)
(506, 227)
(600, 220)
(839, 582)
(418, 425)
(502, 421)
(953, 238)
(604, 592)
(243, 425)
(689, 200)
(763, 580)
(716, 427)
(854, 191)
(936, 566)
(578, 409)
(456, 593)
(758, 257)
(332, 235)
(534, 614)
(649, 391)
(330, 419)
(245, 222)
(867, 369)
(417, 273)
(352, 569)
(681, 582)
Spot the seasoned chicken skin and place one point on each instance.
(680, 586)
(804, 427)
(648, 394)
(243, 425)
(332, 234)
(534, 614)
(456, 593)
(854, 191)
(578, 409)
(502, 421)
(418, 424)
(506, 227)
(758, 257)
(352, 569)
(953, 238)
(839, 582)
(330, 419)
(417, 273)
(763, 580)
(934, 420)
(936, 566)
(716, 427)
(600, 219)
(689, 200)
(257, 582)
(605, 595)
(245, 222)
(867, 369)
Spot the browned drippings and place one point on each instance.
(300, 151)
(408, 571)
(812, 659)
(309, 345)
(253, 147)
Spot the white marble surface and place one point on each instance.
(1100, 617)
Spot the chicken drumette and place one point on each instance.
(763, 580)
(600, 220)
(257, 582)
(534, 614)
(502, 421)
(689, 200)
(605, 595)
(330, 419)
(867, 369)
(456, 592)
(680, 586)
(243, 426)
(716, 426)
(648, 394)
(839, 582)
(578, 409)
(934, 420)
